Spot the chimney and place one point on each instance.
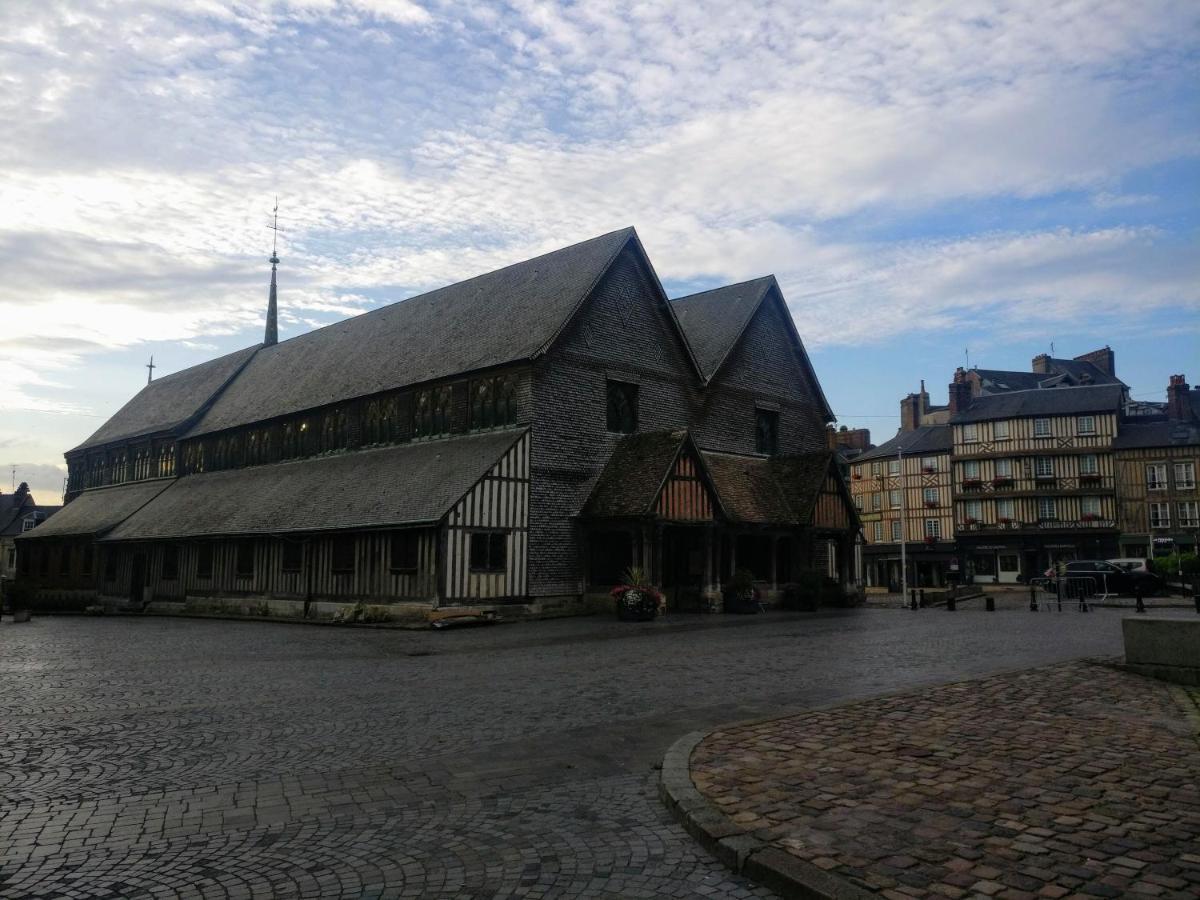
(910, 412)
(960, 391)
(1103, 359)
(831, 438)
(1177, 399)
(1041, 364)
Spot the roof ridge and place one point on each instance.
(722, 287)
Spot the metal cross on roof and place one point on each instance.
(150, 373)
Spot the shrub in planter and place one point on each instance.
(636, 600)
(741, 596)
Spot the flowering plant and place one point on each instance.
(930, 539)
(635, 599)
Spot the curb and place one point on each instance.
(736, 848)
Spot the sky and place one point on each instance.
(932, 183)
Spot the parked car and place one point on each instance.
(1106, 576)
(1135, 564)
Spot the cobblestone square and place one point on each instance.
(154, 757)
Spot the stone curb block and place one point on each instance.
(736, 848)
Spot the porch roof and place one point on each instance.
(413, 484)
(96, 511)
(778, 490)
(634, 474)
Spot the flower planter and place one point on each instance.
(972, 484)
(1002, 482)
(929, 470)
(931, 504)
(637, 603)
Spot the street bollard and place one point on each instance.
(951, 603)
(912, 594)
(921, 602)
(991, 603)
(1141, 606)
(1033, 598)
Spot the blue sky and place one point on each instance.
(922, 178)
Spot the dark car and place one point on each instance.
(1104, 578)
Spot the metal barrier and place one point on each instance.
(1055, 590)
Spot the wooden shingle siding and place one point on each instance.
(498, 503)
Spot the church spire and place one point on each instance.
(271, 336)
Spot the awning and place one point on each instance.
(94, 512)
(412, 484)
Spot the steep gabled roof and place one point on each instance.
(714, 322)
(500, 317)
(1053, 402)
(412, 484)
(926, 439)
(170, 402)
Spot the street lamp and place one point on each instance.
(903, 527)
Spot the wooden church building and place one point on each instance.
(511, 442)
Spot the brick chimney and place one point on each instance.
(1103, 359)
(910, 412)
(960, 391)
(1177, 399)
(1041, 364)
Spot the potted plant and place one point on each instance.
(972, 483)
(931, 504)
(971, 520)
(857, 476)
(741, 596)
(1089, 517)
(637, 601)
(930, 540)
(1002, 481)
(1004, 520)
(929, 470)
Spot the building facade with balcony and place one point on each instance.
(1033, 477)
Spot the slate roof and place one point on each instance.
(1164, 433)
(1052, 402)
(170, 402)
(925, 439)
(780, 490)
(96, 511)
(631, 479)
(411, 484)
(997, 380)
(500, 317)
(713, 320)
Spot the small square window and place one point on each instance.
(933, 528)
(893, 467)
(766, 431)
(204, 561)
(1086, 424)
(170, 562)
(1000, 431)
(896, 533)
(970, 433)
(1041, 428)
(622, 407)
(878, 532)
(489, 551)
(343, 555)
(244, 567)
(1047, 509)
(405, 551)
(292, 556)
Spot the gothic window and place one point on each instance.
(431, 414)
(622, 412)
(766, 431)
(493, 401)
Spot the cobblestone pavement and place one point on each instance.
(153, 757)
(1075, 780)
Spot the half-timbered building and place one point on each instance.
(1033, 477)
(1157, 461)
(902, 490)
(512, 441)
